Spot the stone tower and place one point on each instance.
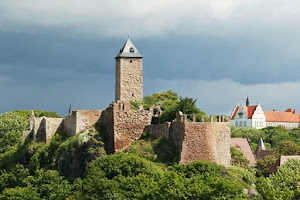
(129, 73)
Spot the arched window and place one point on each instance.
(131, 50)
(236, 124)
(241, 124)
(245, 123)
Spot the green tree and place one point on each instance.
(284, 184)
(237, 157)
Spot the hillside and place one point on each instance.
(78, 167)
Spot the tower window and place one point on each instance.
(130, 61)
(131, 50)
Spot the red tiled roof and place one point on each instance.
(248, 110)
(264, 153)
(288, 116)
(243, 145)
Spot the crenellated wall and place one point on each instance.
(197, 140)
(194, 140)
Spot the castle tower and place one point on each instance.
(129, 73)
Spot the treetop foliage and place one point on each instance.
(170, 104)
(32, 170)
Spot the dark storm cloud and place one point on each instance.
(53, 54)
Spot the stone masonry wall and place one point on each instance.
(129, 79)
(159, 130)
(39, 129)
(206, 141)
(44, 128)
(177, 131)
(199, 142)
(70, 124)
(107, 119)
(128, 124)
(53, 125)
(86, 119)
(223, 142)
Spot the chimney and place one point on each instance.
(274, 110)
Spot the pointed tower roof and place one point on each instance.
(261, 144)
(129, 50)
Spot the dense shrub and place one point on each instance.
(284, 184)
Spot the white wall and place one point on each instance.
(258, 118)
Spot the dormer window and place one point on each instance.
(131, 50)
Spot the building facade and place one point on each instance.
(254, 116)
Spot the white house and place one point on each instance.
(254, 116)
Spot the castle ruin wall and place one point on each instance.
(86, 119)
(129, 124)
(107, 118)
(222, 129)
(159, 130)
(53, 125)
(39, 129)
(70, 124)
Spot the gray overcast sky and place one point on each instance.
(53, 53)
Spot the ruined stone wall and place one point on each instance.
(177, 131)
(86, 118)
(39, 129)
(206, 141)
(53, 125)
(129, 79)
(107, 119)
(44, 128)
(222, 129)
(128, 124)
(159, 130)
(70, 124)
(201, 140)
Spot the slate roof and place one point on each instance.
(243, 145)
(129, 51)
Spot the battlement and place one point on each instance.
(197, 140)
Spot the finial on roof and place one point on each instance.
(128, 35)
(247, 102)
